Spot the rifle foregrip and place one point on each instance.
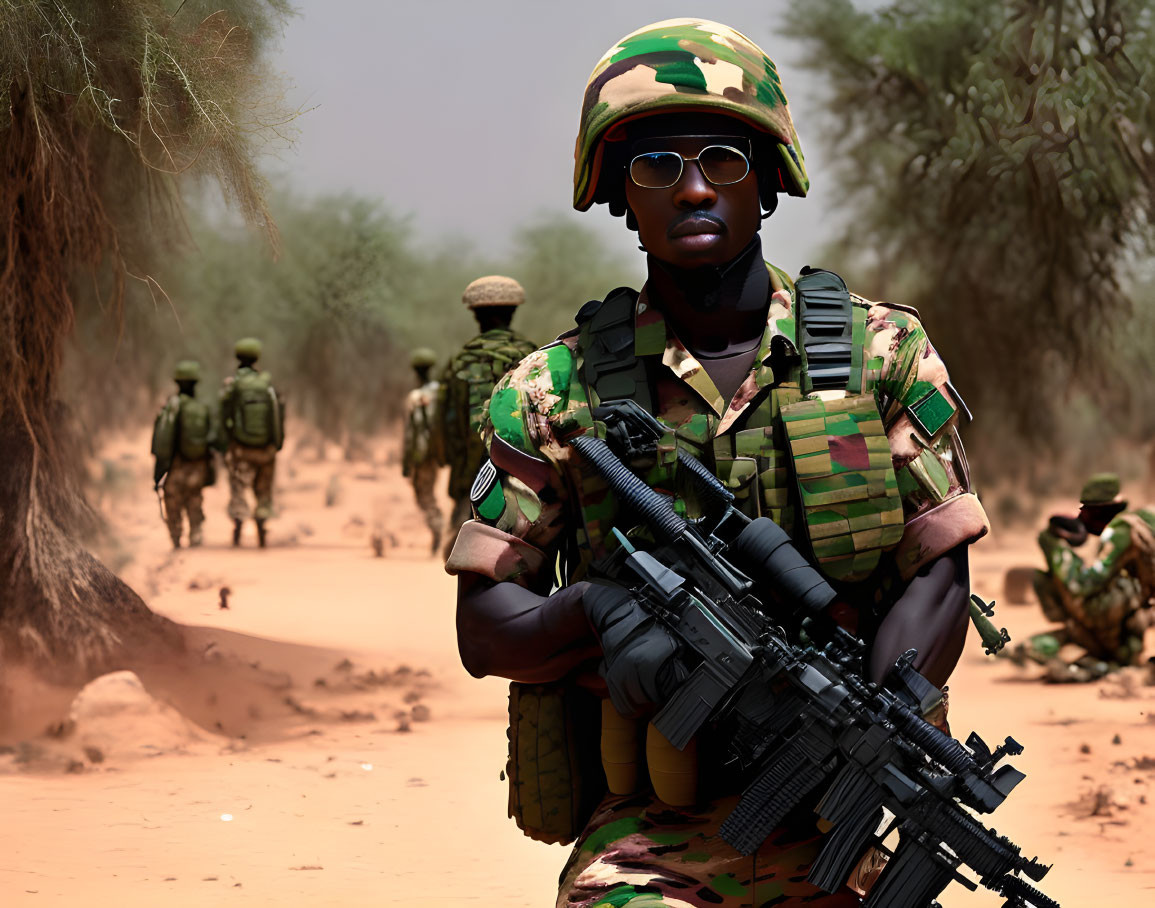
(655, 511)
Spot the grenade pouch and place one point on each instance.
(554, 766)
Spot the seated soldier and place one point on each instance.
(1106, 606)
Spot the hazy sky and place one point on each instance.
(463, 113)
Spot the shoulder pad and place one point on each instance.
(825, 328)
(590, 309)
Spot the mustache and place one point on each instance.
(696, 216)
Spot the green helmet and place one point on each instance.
(422, 358)
(248, 348)
(1102, 488)
(493, 290)
(187, 370)
(683, 65)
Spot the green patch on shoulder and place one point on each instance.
(611, 833)
(505, 415)
(559, 360)
(493, 504)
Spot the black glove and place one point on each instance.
(640, 661)
(1070, 529)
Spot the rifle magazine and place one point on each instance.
(914, 876)
(790, 775)
(691, 705)
(853, 805)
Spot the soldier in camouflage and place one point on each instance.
(182, 440)
(252, 420)
(421, 443)
(1104, 607)
(468, 381)
(686, 131)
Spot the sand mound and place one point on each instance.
(118, 717)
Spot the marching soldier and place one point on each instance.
(182, 443)
(252, 418)
(468, 381)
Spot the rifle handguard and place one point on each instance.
(655, 511)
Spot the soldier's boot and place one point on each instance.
(238, 525)
(176, 542)
(195, 535)
(261, 537)
(436, 540)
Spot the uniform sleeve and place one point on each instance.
(921, 413)
(521, 498)
(1081, 579)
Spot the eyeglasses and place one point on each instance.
(720, 165)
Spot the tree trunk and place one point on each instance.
(62, 612)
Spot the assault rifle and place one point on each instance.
(794, 706)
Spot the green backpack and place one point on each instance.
(164, 433)
(193, 429)
(256, 417)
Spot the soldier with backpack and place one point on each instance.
(252, 418)
(182, 439)
(468, 381)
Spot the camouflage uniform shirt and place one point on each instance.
(538, 405)
(1127, 544)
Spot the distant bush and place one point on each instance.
(349, 296)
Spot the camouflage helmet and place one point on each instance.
(683, 65)
(493, 290)
(1102, 488)
(187, 370)
(248, 348)
(422, 358)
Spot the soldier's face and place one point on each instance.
(694, 222)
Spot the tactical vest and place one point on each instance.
(810, 452)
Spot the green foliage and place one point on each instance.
(562, 264)
(338, 312)
(997, 160)
(104, 105)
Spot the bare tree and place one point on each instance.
(106, 107)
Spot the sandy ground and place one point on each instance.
(367, 772)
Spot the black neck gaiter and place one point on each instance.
(743, 280)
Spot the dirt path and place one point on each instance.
(372, 779)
